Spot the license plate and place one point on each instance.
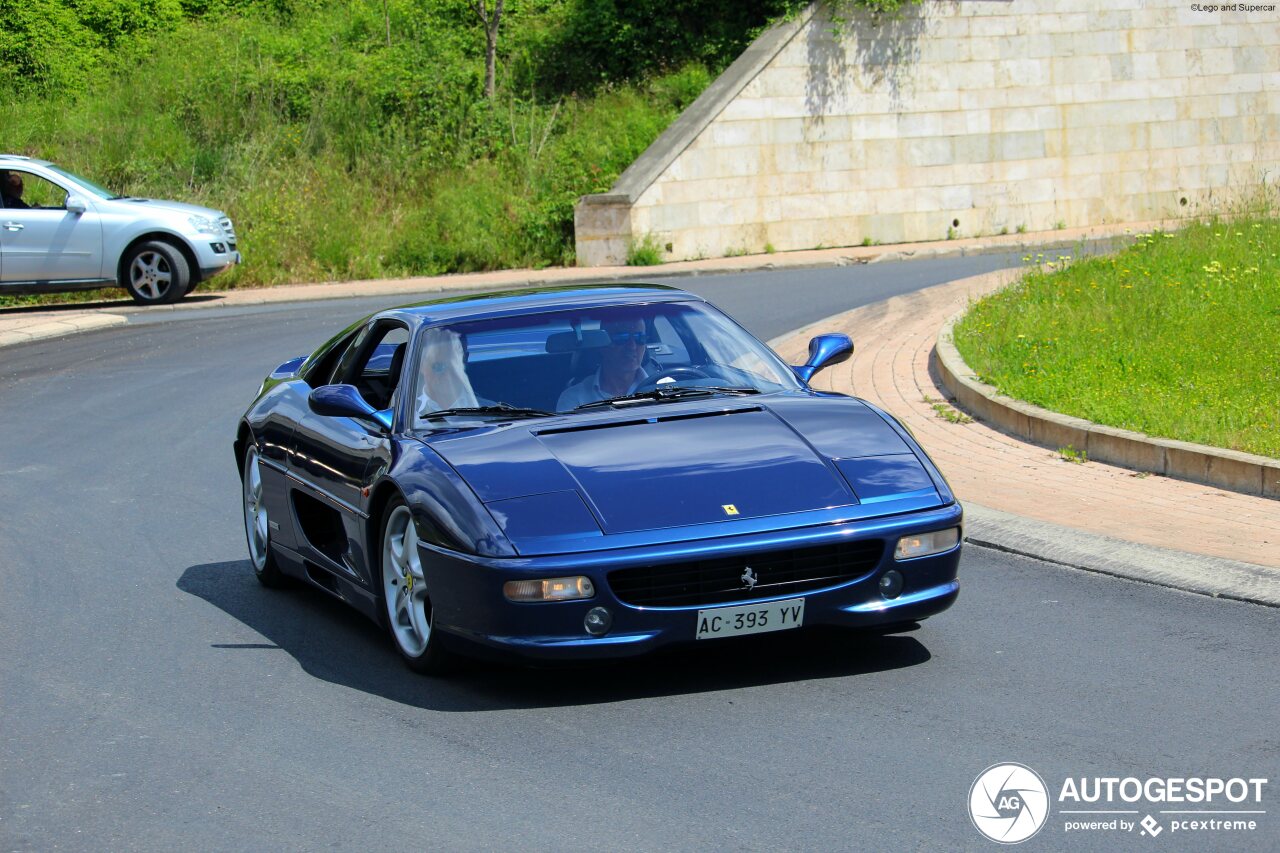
(750, 619)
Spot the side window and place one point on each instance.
(378, 363)
(321, 371)
(20, 189)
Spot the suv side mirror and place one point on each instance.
(824, 351)
(344, 401)
(75, 204)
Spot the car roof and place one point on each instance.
(478, 306)
(19, 158)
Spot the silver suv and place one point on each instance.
(59, 231)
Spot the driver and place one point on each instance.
(11, 191)
(619, 369)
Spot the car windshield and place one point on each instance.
(567, 361)
(90, 186)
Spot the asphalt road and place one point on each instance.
(154, 697)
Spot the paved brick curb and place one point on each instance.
(1065, 546)
(1226, 469)
(51, 327)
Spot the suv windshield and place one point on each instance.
(563, 361)
(90, 186)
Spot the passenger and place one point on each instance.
(11, 191)
(442, 375)
(619, 369)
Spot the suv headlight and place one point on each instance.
(204, 225)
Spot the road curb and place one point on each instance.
(57, 327)
(1226, 469)
(1092, 552)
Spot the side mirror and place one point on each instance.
(824, 351)
(344, 401)
(75, 204)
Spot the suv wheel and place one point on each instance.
(156, 273)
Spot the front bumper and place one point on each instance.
(211, 260)
(468, 601)
(231, 260)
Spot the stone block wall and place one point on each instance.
(959, 119)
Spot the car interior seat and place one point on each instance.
(393, 376)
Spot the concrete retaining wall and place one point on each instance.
(961, 118)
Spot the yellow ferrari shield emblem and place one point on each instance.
(729, 509)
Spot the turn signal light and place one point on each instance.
(550, 589)
(925, 544)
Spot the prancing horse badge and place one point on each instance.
(729, 509)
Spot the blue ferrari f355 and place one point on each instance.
(587, 472)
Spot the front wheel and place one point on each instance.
(406, 599)
(257, 525)
(156, 273)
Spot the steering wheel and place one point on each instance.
(671, 376)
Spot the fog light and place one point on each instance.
(891, 584)
(218, 248)
(598, 622)
(550, 589)
(924, 544)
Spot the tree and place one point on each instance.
(490, 16)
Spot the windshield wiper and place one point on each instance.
(669, 393)
(496, 409)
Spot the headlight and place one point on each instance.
(551, 589)
(924, 544)
(204, 225)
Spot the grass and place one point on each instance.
(1177, 336)
(945, 411)
(305, 210)
(645, 252)
(341, 156)
(1070, 454)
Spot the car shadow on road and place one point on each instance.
(335, 643)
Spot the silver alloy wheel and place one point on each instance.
(403, 586)
(150, 274)
(255, 512)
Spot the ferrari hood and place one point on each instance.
(675, 465)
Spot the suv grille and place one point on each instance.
(720, 580)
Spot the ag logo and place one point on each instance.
(1008, 803)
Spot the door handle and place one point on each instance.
(14, 226)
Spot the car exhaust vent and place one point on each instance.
(743, 578)
(687, 416)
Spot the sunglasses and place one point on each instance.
(620, 338)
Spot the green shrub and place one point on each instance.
(342, 156)
(645, 252)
